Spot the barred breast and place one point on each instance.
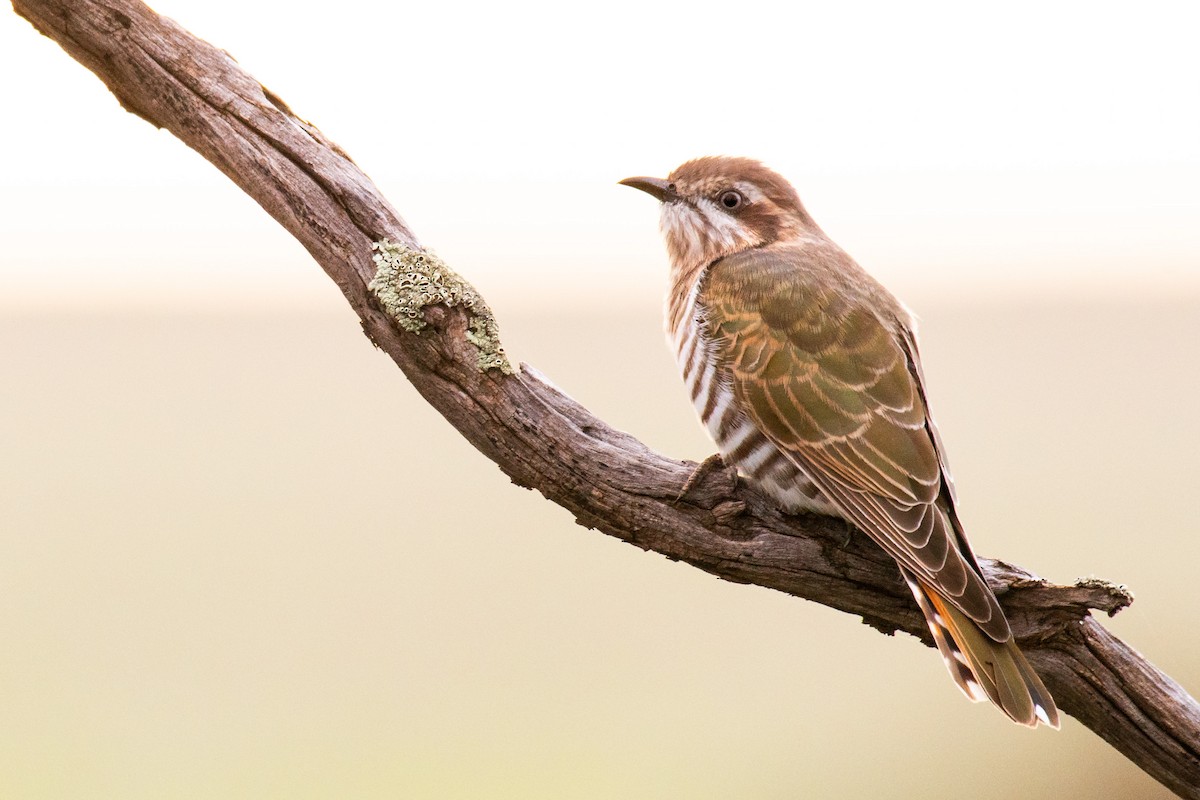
(738, 439)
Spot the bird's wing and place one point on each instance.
(836, 387)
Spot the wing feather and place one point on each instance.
(833, 381)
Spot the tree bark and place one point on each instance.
(544, 440)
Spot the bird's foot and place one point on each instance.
(703, 468)
(849, 536)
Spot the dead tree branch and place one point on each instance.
(544, 440)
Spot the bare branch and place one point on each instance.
(543, 439)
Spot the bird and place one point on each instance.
(805, 371)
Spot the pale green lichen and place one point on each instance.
(408, 280)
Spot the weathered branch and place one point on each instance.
(543, 439)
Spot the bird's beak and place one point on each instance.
(657, 187)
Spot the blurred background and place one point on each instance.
(240, 557)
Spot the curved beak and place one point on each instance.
(656, 187)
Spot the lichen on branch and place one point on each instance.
(407, 280)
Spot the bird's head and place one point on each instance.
(715, 206)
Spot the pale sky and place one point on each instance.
(962, 149)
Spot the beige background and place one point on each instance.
(239, 557)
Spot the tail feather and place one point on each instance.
(983, 668)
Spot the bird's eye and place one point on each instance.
(731, 200)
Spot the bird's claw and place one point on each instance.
(703, 468)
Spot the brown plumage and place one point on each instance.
(805, 371)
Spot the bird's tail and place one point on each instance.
(982, 667)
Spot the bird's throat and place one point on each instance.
(698, 233)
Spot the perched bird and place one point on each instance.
(805, 371)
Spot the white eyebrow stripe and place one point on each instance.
(749, 191)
